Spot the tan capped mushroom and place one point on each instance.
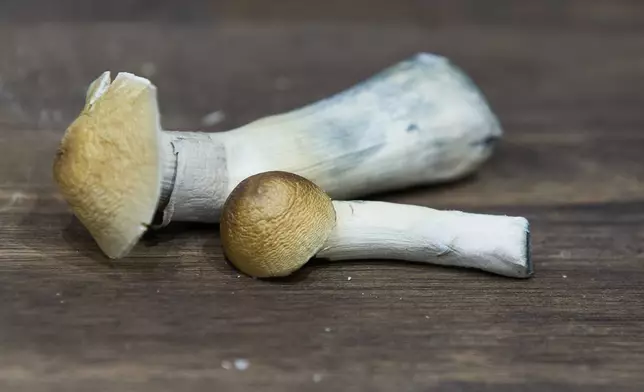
(274, 222)
(108, 166)
(421, 121)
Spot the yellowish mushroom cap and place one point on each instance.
(108, 164)
(274, 222)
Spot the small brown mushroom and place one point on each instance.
(274, 222)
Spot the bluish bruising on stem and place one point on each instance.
(487, 142)
(399, 103)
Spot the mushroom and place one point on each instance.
(275, 222)
(421, 121)
(108, 164)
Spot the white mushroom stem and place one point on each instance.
(381, 230)
(419, 122)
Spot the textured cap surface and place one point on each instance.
(107, 166)
(274, 222)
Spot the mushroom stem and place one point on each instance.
(381, 230)
(195, 177)
(421, 121)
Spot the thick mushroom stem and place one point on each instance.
(421, 121)
(379, 230)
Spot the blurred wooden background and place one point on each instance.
(565, 78)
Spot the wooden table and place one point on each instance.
(566, 78)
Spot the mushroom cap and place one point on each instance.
(274, 222)
(108, 163)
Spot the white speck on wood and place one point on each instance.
(241, 364)
(317, 377)
(213, 118)
(226, 365)
(349, 278)
(44, 116)
(565, 254)
(564, 276)
(327, 329)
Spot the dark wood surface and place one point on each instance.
(566, 79)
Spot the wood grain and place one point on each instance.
(564, 78)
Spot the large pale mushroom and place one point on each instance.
(421, 121)
(275, 222)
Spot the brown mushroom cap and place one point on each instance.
(274, 222)
(108, 164)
